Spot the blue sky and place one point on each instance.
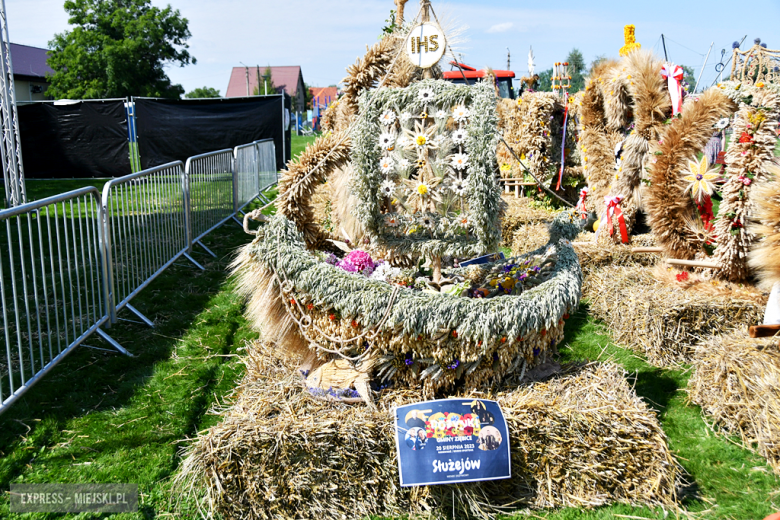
(324, 38)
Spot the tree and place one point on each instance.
(576, 68)
(545, 81)
(118, 48)
(265, 83)
(202, 92)
(688, 77)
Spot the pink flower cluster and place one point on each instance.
(357, 262)
(746, 181)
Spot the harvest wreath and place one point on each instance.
(389, 325)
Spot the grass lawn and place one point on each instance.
(103, 417)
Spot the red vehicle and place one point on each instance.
(503, 78)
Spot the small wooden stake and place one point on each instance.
(436, 262)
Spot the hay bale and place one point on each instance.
(737, 385)
(647, 310)
(279, 453)
(529, 237)
(595, 255)
(518, 213)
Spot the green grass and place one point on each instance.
(299, 143)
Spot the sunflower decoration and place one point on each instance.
(702, 179)
(421, 193)
(420, 138)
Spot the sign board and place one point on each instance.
(451, 441)
(425, 45)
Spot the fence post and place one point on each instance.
(234, 168)
(185, 186)
(107, 269)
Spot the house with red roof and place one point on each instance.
(322, 96)
(248, 81)
(30, 70)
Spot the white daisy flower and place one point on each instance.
(722, 123)
(438, 139)
(460, 187)
(459, 136)
(388, 118)
(387, 188)
(406, 116)
(386, 165)
(425, 95)
(402, 140)
(441, 114)
(404, 163)
(387, 140)
(427, 222)
(392, 220)
(460, 113)
(459, 161)
(462, 221)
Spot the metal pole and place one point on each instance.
(702, 67)
(663, 41)
(13, 170)
(284, 133)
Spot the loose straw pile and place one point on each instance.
(583, 438)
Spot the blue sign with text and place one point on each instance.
(451, 441)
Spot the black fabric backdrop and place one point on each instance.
(173, 130)
(84, 139)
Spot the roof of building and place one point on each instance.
(286, 77)
(29, 61)
(321, 95)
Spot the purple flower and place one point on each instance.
(347, 266)
(360, 259)
(455, 364)
(537, 268)
(331, 259)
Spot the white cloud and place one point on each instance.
(501, 27)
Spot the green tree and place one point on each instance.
(688, 77)
(202, 92)
(545, 81)
(265, 83)
(118, 48)
(576, 68)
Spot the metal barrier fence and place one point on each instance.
(255, 169)
(52, 285)
(145, 221)
(69, 263)
(209, 193)
(266, 161)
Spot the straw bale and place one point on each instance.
(279, 453)
(519, 213)
(663, 319)
(737, 385)
(529, 237)
(594, 256)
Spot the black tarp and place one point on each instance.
(173, 130)
(82, 139)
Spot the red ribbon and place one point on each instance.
(581, 204)
(563, 141)
(613, 207)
